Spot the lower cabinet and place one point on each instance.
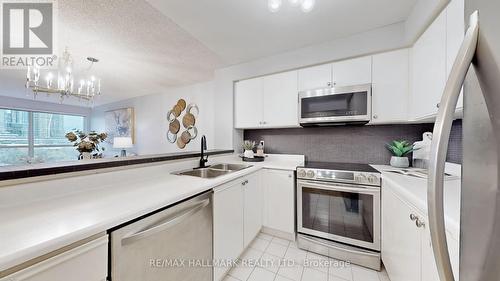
(87, 262)
(279, 201)
(237, 218)
(401, 239)
(406, 243)
(252, 208)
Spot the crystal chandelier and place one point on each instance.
(63, 85)
(305, 5)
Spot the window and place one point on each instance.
(27, 136)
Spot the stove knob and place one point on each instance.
(361, 178)
(372, 179)
(301, 173)
(310, 174)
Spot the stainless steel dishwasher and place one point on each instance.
(173, 244)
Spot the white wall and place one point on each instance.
(151, 123)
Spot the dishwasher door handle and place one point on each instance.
(170, 221)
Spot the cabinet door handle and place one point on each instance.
(419, 223)
(329, 84)
(437, 105)
(375, 116)
(413, 217)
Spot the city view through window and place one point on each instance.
(34, 137)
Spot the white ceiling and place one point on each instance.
(145, 46)
(242, 30)
(141, 51)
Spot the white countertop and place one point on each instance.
(37, 218)
(414, 191)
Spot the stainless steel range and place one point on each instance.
(338, 211)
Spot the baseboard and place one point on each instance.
(278, 233)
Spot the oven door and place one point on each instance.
(340, 212)
(334, 105)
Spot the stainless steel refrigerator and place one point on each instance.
(477, 68)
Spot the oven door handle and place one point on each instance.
(340, 187)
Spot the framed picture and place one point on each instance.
(120, 123)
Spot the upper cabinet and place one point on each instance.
(432, 58)
(390, 85)
(429, 69)
(455, 30)
(265, 102)
(248, 101)
(320, 76)
(281, 100)
(343, 73)
(352, 72)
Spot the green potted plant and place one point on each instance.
(248, 147)
(400, 150)
(87, 143)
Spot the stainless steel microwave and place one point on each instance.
(333, 106)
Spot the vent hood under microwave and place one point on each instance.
(335, 106)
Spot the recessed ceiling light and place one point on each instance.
(274, 5)
(307, 5)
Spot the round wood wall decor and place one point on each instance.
(180, 143)
(182, 104)
(188, 120)
(186, 137)
(174, 127)
(177, 110)
(191, 112)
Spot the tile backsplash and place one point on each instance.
(351, 143)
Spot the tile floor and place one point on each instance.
(263, 264)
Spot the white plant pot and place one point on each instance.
(86, 156)
(248, 154)
(400, 162)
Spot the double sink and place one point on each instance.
(213, 171)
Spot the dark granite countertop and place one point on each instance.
(44, 169)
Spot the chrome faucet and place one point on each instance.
(204, 158)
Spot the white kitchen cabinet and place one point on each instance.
(429, 269)
(400, 239)
(88, 262)
(228, 224)
(455, 29)
(320, 76)
(267, 102)
(433, 56)
(429, 69)
(281, 100)
(342, 73)
(237, 209)
(252, 208)
(279, 201)
(352, 72)
(248, 98)
(406, 248)
(390, 87)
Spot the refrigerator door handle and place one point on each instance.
(439, 147)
